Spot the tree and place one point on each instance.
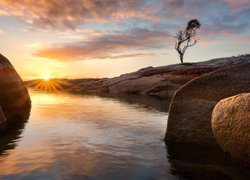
(186, 38)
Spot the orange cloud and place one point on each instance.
(68, 14)
(109, 46)
(243, 40)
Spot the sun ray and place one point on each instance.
(49, 84)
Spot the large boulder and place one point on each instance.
(14, 97)
(231, 126)
(191, 108)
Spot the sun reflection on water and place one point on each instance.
(77, 136)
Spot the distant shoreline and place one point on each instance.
(160, 81)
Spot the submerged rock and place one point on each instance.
(14, 97)
(191, 108)
(231, 126)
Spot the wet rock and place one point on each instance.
(231, 127)
(191, 108)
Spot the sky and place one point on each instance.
(106, 38)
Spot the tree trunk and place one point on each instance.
(181, 58)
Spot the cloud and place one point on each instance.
(219, 19)
(81, 34)
(242, 40)
(124, 56)
(68, 14)
(175, 9)
(109, 46)
(238, 5)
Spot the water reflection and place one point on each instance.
(9, 141)
(149, 102)
(195, 161)
(73, 136)
(11, 136)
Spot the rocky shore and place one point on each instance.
(155, 81)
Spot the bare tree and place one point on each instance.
(186, 38)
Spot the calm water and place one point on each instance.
(79, 137)
(91, 137)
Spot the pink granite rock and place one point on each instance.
(231, 126)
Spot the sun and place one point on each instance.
(47, 77)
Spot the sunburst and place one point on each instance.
(49, 84)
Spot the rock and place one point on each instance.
(165, 80)
(231, 126)
(14, 97)
(190, 112)
(2, 119)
